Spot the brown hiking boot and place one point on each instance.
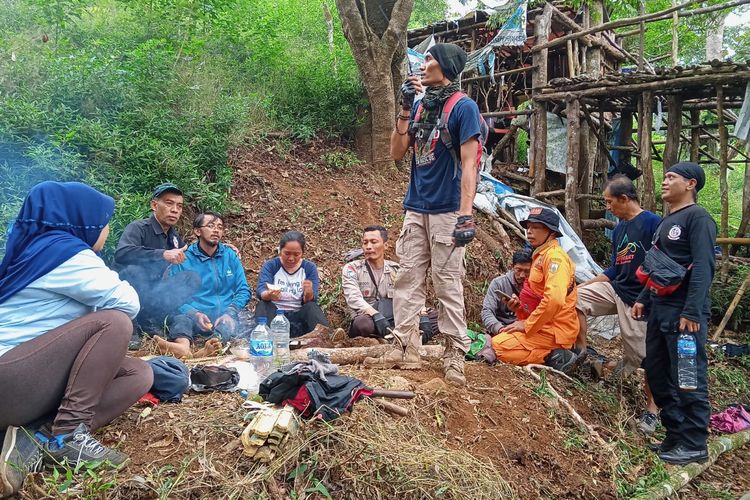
(396, 357)
(453, 365)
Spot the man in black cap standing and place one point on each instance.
(687, 236)
(438, 223)
(146, 249)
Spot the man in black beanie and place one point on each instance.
(438, 223)
(687, 236)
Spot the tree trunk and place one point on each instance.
(574, 155)
(538, 168)
(715, 36)
(645, 111)
(723, 181)
(376, 33)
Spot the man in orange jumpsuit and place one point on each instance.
(547, 324)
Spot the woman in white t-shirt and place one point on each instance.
(290, 283)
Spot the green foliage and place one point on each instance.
(340, 160)
(691, 31)
(126, 94)
(427, 12)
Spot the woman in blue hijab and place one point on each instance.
(65, 323)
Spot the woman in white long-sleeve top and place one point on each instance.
(65, 323)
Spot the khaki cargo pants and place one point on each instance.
(426, 241)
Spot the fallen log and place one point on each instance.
(680, 476)
(356, 355)
(598, 224)
(732, 307)
(391, 407)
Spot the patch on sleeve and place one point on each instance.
(554, 266)
(349, 272)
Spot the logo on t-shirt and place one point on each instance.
(627, 250)
(674, 232)
(175, 243)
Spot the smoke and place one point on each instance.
(24, 164)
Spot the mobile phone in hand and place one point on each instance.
(503, 295)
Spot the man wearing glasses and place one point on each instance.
(223, 292)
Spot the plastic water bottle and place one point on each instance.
(687, 367)
(261, 349)
(280, 335)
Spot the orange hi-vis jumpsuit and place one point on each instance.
(553, 324)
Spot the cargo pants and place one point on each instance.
(426, 241)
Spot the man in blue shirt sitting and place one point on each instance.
(223, 292)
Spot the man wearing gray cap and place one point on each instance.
(438, 223)
(675, 305)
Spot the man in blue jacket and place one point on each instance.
(223, 292)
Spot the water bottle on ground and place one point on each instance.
(687, 366)
(261, 349)
(280, 334)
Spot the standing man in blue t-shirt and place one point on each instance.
(438, 222)
(617, 288)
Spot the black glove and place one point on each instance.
(381, 324)
(464, 231)
(408, 93)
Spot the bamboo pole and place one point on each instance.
(680, 476)
(645, 107)
(499, 74)
(732, 241)
(632, 88)
(574, 156)
(695, 144)
(642, 35)
(502, 114)
(732, 306)
(538, 168)
(723, 182)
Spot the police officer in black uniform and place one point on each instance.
(687, 235)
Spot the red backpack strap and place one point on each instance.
(448, 106)
(418, 114)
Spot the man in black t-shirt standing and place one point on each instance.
(687, 235)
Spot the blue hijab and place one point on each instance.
(57, 221)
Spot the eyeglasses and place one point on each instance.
(211, 225)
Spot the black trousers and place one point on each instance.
(684, 414)
(301, 321)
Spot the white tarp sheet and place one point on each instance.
(492, 192)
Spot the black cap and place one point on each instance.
(543, 216)
(690, 170)
(167, 187)
(450, 57)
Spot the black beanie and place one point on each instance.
(451, 59)
(690, 170)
